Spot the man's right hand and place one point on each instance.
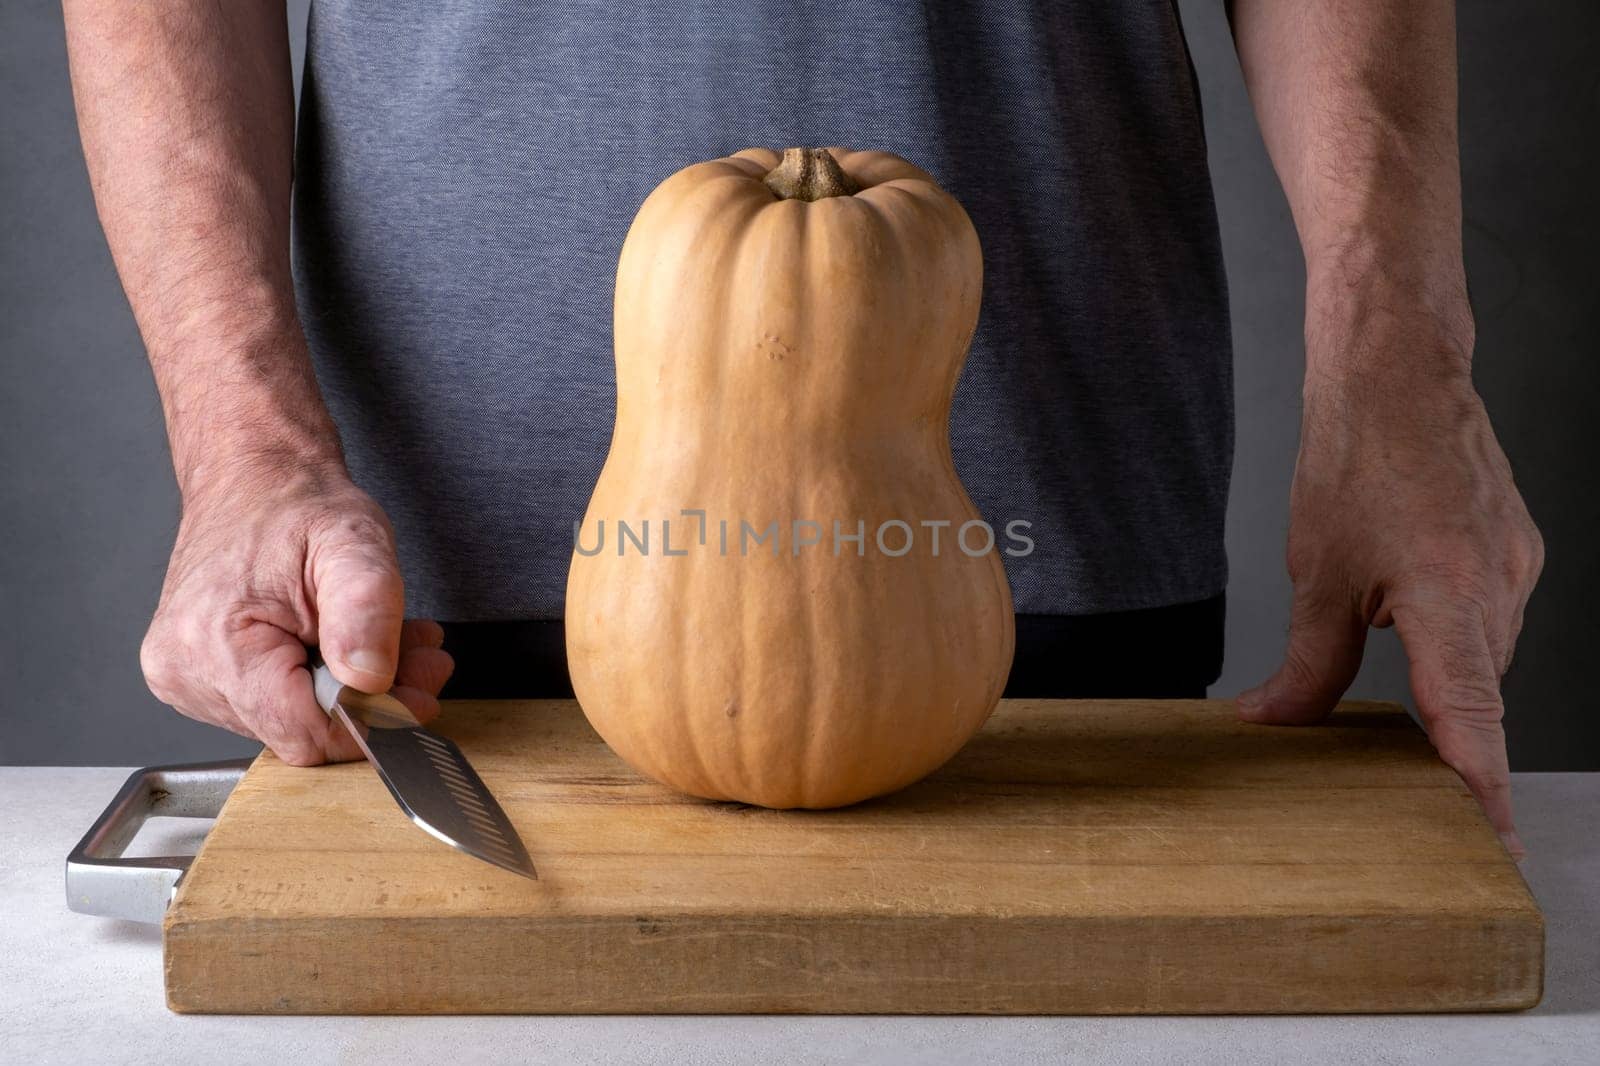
(187, 114)
(264, 566)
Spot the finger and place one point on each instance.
(360, 603)
(174, 675)
(1326, 639)
(425, 705)
(425, 668)
(1456, 686)
(273, 695)
(421, 633)
(423, 672)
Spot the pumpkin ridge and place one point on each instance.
(743, 729)
(809, 727)
(732, 249)
(720, 214)
(886, 223)
(927, 662)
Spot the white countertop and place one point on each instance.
(80, 989)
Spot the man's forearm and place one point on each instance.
(187, 115)
(1357, 103)
(1402, 510)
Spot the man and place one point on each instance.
(466, 174)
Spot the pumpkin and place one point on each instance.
(788, 336)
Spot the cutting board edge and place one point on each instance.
(1267, 955)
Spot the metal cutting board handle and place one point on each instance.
(101, 881)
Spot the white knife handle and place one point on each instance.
(378, 711)
(323, 683)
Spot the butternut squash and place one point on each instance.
(789, 331)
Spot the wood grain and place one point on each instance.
(1076, 857)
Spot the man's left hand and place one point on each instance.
(1403, 512)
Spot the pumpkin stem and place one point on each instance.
(809, 174)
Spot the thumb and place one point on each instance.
(360, 606)
(1326, 639)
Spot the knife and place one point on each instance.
(427, 775)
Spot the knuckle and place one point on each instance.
(1319, 609)
(1461, 574)
(364, 589)
(384, 606)
(165, 662)
(360, 571)
(1470, 703)
(1476, 755)
(297, 751)
(1296, 564)
(169, 674)
(155, 662)
(1522, 559)
(375, 577)
(365, 525)
(1491, 782)
(1535, 552)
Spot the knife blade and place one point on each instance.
(427, 775)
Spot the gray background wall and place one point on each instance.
(88, 507)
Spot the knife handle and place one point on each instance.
(373, 710)
(323, 683)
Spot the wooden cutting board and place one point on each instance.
(1076, 857)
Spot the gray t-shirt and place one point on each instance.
(467, 171)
